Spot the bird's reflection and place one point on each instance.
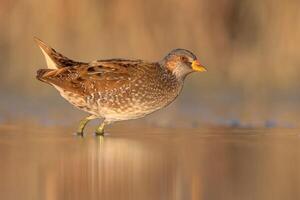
(150, 166)
(113, 167)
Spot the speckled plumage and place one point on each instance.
(117, 89)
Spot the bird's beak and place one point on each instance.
(196, 66)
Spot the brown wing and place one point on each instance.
(97, 76)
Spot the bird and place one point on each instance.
(117, 89)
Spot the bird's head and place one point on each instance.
(181, 62)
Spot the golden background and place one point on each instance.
(250, 47)
(207, 145)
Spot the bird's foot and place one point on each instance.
(100, 130)
(82, 125)
(99, 133)
(79, 134)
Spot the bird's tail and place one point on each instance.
(54, 59)
(41, 73)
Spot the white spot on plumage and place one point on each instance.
(131, 100)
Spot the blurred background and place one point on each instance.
(191, 150)
(250, 47)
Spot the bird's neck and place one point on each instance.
(178, 72)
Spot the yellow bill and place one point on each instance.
(196, 66)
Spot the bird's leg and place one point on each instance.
(83, 123)
(100, 128)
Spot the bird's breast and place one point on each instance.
(133, 99)
(136, 98)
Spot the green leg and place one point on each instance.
(83, 123)
(100, 129)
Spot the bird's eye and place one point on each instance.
(183, 59)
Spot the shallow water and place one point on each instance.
(151, 164)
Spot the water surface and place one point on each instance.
(144, 164)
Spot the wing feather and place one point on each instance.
(98, 76)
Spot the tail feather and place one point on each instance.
(54, 59)
(40, 74)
